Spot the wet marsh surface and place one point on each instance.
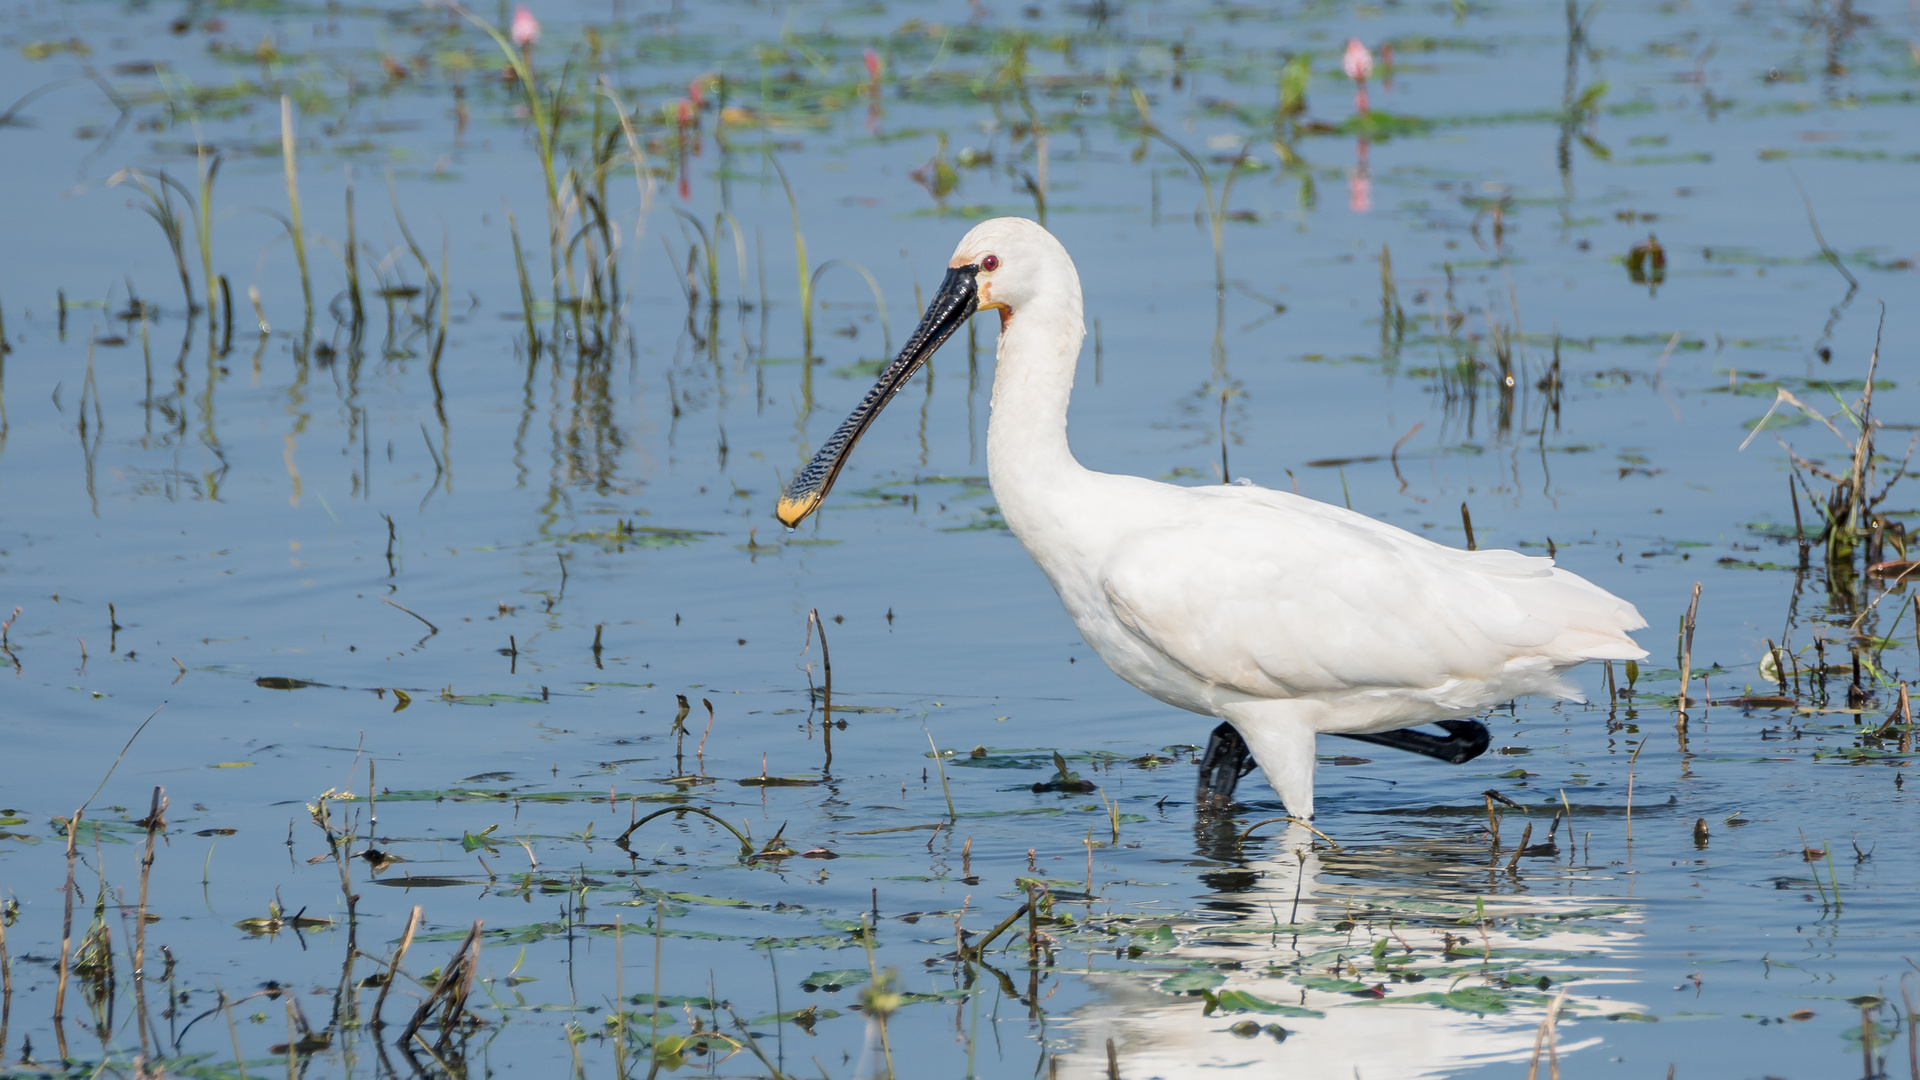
(445, 580)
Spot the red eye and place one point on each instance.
(990, 263)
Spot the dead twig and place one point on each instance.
(66, 933)
(1526, 834)
(1686, 654)
(826, 697)
(117, 758)
(1832, 255)
(979, 948)
(1630, 763)
(156, 824)
(1546, 1035)
(415, 614)
(393, 968)
(1268, 821)
(746, 843)
(450, 992)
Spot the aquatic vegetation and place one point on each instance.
(608, 805)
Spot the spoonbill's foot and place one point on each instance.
(1227, 760)
(1465, 740)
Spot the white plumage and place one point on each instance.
(1283, 616)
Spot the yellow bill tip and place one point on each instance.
(792, 511)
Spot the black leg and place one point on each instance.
(1227, 760)
(1465, 740)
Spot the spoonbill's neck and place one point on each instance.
(1028, 459)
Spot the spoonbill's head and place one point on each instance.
(1013, 261)
(1005, 263)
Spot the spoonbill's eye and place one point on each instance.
(990, 263)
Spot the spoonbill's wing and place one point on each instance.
(1275, 595)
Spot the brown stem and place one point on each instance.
(1526, 834)
(1686, 655)
(156, 824)
(393, 969)
(826, 700)
(978, 950)
(6, 982)
(1294, 820)
(66, 939)
(1033, 930)
(746, 845)
(1630, 761)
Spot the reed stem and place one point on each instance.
(806, 282)
(294, 229)
(1686, 654)
(353, 265)
(526, 289)
(207, 166)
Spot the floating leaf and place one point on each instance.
(1479, 1000)
(918, 997)
(848, 926)
(806, 1017)
(805, 941)
(426, 883)
(1331, 985)
(1065, 779)
(488, 699)
(837, 979)
(476, 841)
(1158, 939)
(674, 1001)
(651, 895)
(1240, 1001)
(1188, 982)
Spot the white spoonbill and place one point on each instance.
(1283, 616)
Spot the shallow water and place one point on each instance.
(231, 500)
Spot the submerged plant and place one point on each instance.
(159, 188)
(1294, 77)
(1851, 524)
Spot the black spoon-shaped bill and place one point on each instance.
(951, 306)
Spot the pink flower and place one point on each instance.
(684, 108)
(695, 93)
(526, 28)
(1358, 62)
(873, 65)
